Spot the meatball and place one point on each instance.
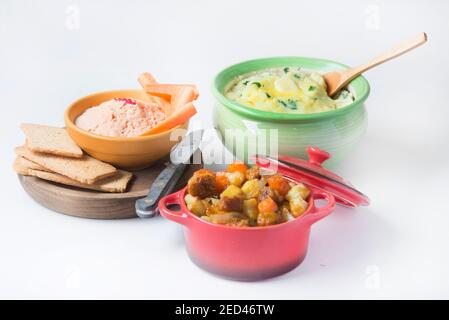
(230, 204)
(202, 184)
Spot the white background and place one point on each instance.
(53, 52)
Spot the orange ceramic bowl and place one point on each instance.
(123, 152)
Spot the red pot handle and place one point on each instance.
(176, 216)
(318, 213)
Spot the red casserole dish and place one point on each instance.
(247, 253)
(250, 253)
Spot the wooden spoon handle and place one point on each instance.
(392, 53)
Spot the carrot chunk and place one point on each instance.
(267, 205)
(237, 166)
(222, 182)
(280, 184)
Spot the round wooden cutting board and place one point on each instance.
(93, 204)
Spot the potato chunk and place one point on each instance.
(236, 178)
(202, 184)
(298, 191)
(232, 191)
(297, 207)
(226, 217)
(250, 208)
(297, 204)
(252, 188)
(195, 205)
(238, 223)
(213, 209)
(285, 214)
(209, 202)
(302, 190)
(267, 218)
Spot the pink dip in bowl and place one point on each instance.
(121, 117)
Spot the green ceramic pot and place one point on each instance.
(338, 131)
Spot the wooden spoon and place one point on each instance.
(336, 80)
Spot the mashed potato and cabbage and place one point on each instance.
(285, 90)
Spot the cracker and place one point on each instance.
(20, 167)
(116, 183)
(29, 164)
(50, 140)
(85, 169)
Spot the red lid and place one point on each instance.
(313, 174)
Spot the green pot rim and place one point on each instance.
(359, 85)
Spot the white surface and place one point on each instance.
(396, 248)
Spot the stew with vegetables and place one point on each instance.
(242, 197)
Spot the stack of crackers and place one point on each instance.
(50, 154)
